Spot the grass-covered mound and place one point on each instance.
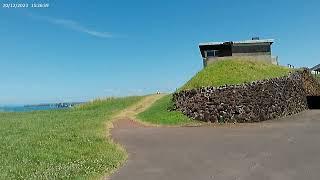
(60, 144)
(158, 114)
(234, 71)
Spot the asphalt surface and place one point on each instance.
(281, 149)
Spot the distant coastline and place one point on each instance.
(58, 105)
(38, 107)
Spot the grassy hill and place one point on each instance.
(234, 71)
(158, 114)
(61, 144)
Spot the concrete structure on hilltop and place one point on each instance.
(255, 49)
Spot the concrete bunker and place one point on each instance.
(257, 49)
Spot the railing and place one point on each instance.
(291, 66)
(317, 76)
(275, 60)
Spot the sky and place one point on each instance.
(80, 50)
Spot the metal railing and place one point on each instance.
(291, 66)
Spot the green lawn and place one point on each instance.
(60, 144)
(158, 114)
(234, 71)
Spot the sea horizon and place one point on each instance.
(37, 107)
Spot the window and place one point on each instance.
(213, 53)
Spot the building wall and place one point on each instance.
(260, 56)
(251, 48)
(244, 56)
(267, 54)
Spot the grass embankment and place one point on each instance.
(60, 144)
(158, 114)
(234, 71)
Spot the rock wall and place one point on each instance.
(251, 102)
(311, 84)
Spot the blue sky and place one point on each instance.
(79, 50)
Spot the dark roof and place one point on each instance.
(316, 68)
(239, 42)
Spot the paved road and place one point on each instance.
(282, 149)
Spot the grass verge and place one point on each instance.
(158, 113)
(61, 144)
(234, 71)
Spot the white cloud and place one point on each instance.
(70, 24)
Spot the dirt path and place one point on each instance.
(127, 117)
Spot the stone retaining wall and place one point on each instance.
(251, 102)
(311, 84)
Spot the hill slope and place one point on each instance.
(234, 71)
(61, 144)
(158, 113)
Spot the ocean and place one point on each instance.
(26, 108)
